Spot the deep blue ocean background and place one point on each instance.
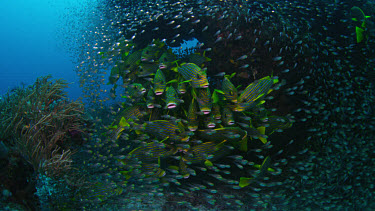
(34, 42)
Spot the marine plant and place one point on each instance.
(41, 124)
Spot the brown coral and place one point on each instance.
(38, 120)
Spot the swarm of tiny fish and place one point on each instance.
(182, 128)
(167, 130)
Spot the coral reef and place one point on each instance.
(41, 129)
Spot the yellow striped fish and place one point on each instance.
(151, 152)
(194, 73)
(171, 100)
(135, 90)
(228, 116)
(162, 129)
(192, 116)
(166, 60)
(159, 82)
(150, 99)
(253, 92)
(203, 97)
(147, 69)
(130, 112)
(151, 53)
(216, 111)
(230, 91)
(209, 121)
(130, 64)
(181, 88)
(202, 152)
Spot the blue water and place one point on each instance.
(36, 41)
(32, 45)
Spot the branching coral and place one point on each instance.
(37, 120)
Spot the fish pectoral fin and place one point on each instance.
(164, 139)
(126, 174)
(262, 130)
(271, 169)
(172, 81)
(219, 91)
(188, 81)
(208, 163)
(245, 181)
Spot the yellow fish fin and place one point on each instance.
(126, 174)
(243, 144)
(360, 34)
(123, 122)
(262, 130)
(221, 144)
(138, 132)
(208, 163)
(244, 181)
(172, 81)
(271, 169)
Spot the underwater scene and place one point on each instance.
(188, 105)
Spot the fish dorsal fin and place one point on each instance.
(221, 144)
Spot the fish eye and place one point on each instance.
(165, 59)
(147, 52)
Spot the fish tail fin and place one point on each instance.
(244, 181)
(360, 34)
